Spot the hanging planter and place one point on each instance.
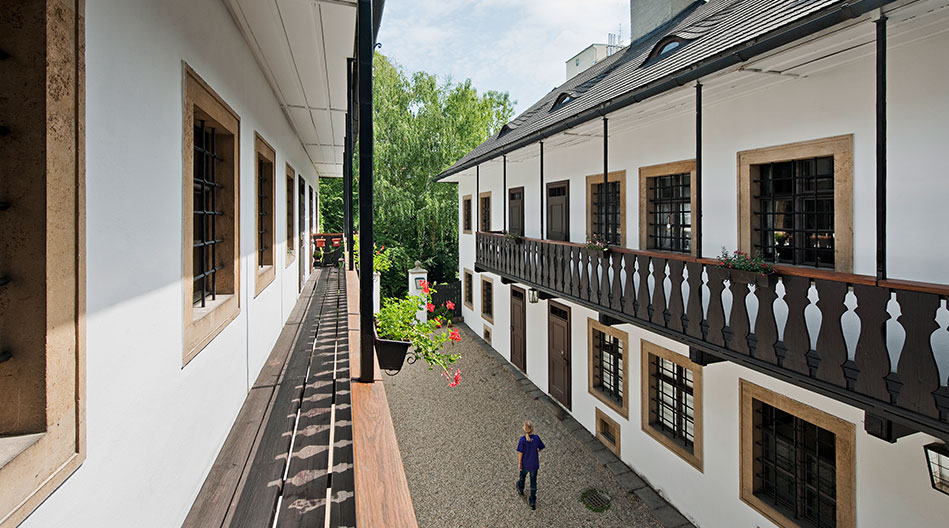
(391, 353)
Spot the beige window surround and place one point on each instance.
(266, 270)
(466, 212)
(607, 425)
(614, 176)
(469, 280)
(201, 325)
(482, 214)
(841, 148)
(291, 198)
(486, 334)
(645, 209)
(42, 307)
(489, 317)
(844, 442)
(623, 337)
(648, 385)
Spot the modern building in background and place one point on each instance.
(807, 132)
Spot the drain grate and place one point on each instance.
(595, 500)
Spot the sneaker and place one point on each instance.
(533, 506)
(519, 490)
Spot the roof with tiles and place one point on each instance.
(705, 30)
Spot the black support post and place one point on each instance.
(504, 203)
(348, 165)
(477, 200)
(697, 214)
(881, 147)
(606, 182)
(543, 192)
(365, 46)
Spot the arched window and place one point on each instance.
(504, 130)
(561, 100)
(665, 47)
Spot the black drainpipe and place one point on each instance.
(366, 341)
(543, 193)
(697, 215)
(881, 147)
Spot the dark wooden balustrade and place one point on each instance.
(795, 325)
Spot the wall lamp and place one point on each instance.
(532, 296)
(937, 456)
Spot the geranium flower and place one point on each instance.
(455, 335)
(453, 381)
(425, 288)
(450, 305)
(438, 323)
(430, 307)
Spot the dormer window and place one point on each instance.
(665, 47)
(504, 130)
(561, 100)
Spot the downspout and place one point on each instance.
(697, 214)
(366, 341)
(881, 146)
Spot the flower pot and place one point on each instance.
(391, 354)
(766, 280)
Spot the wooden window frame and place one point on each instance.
(466, 214)
(486, 334)
(486, 317)
(510, 213)
(201, 326)
(43, 313)
(615, 176)
(603, 421)
(592, 324)
(291, 210)
(841, 148)
(844, 441)
(468, 300)
(656, 171)
(481, 214)
(266, 271)
(648, 350)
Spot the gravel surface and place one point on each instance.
(457, 445)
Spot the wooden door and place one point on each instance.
(302, 245)
(515, 205)
(518, 329)
(558, 353)
(558, 211)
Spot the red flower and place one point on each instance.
(438, 323)
(425, 288)
(455, 335)
(450, 305)
(453, 381)
(430, 307)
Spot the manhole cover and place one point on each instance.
(595, 500)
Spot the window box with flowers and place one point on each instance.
(397, 330)
(746, 269)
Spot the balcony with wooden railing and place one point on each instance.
(829, 332)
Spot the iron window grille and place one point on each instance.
(796, 212)
(937, 456)
(486, 213)
(467, 214)
(606, 213)
(206, 213)
(469, 288)
(608, 365)
(487, 298)
(671, 213)
(289, 215)
(796, 471)
(673, 409)
(262, 182)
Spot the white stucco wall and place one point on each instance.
(154, 427)
(892, 480)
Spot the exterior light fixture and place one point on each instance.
(532, 295)
(937, 457)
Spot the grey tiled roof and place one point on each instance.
(711, 29)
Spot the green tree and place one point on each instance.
(331, 205)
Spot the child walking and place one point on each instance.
(528, 462)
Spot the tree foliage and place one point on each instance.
(422, 125)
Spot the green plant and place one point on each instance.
(739, 260)
(381, 261)
(511, 236)
(396, 321)
(595, 243)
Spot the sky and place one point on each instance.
(514, 46)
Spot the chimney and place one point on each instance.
(647, 15)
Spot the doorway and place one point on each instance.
(558, 210)
(515, 205)
(519, 329)
(558, 353)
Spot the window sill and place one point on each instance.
(12, 446)
(622, 410)
(291, 258)
(265, 275)
(206, 323)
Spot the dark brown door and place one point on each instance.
(518, 329)
(558, 353)
(515, 205)
(301, 230)
(558, 211)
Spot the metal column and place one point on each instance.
(543, 192)
(881, 146)
(365, 46)
(603, 205)
(348, 165)
(697, 214)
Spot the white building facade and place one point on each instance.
(741, 414)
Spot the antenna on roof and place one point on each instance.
(614, 41)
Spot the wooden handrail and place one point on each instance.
(780, 269)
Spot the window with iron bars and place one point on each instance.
(487, 298)
(606, 212)
(670, 219)
(796, 470)
(469, 288)
(207, 211)
(486, 213)
(466, 215)
(673, 409)
(796, 212)
(290, 178)
(265, 173)
(608, 365)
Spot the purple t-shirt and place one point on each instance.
(529, 461)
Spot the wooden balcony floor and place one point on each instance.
(301, 406)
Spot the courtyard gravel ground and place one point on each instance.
(457, 445)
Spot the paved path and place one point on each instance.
(458, 445)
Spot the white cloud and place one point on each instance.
(518, 47)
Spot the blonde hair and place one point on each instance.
(528, 429)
